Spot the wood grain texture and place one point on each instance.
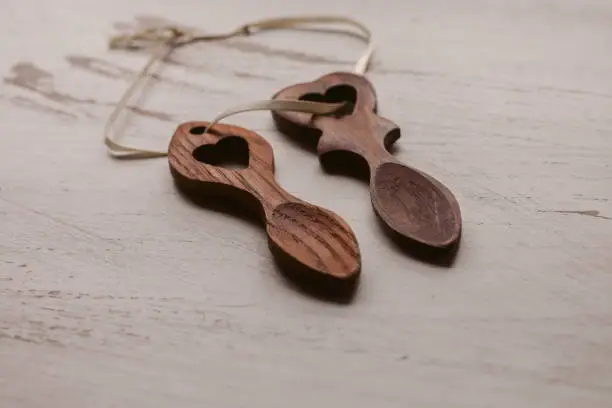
(116, 292)
(413, 205)
(312, 244)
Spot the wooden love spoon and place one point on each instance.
(312, 244)
(411, 203)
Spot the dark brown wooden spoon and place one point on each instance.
(411, 203)
(310, 242)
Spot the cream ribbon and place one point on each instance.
(167, 39)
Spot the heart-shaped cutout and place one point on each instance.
(231, 152)
(336, 94)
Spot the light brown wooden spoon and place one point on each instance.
(309, 242)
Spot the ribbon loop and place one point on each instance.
(169, 38)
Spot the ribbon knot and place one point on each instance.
(167, 38)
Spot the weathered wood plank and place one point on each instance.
(114, 291)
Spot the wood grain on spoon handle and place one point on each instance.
(255, 179)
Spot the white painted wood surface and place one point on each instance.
(115, 292)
